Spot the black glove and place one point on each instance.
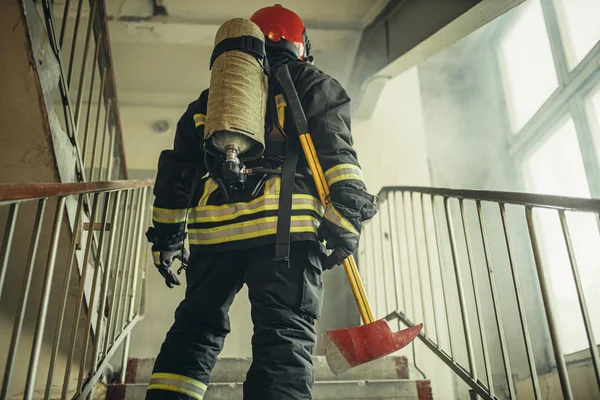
(341, 236)
(165, 251)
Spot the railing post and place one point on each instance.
(460, 289)
(409, 258)
(589, 330)
(125, 263)
(383, 264)
(496, 303)
(373, 268)
(105, 132)
(95, 144)
(520, 304)
(129, 313)
(80, 295)
(440, 261)
(22, 308)
(82, 74)
(418, 264)
(480, 321)
(112, 310)
(393, 241)
(64, 295)
(43, 309)
(7, 239)
(92, 297)
(558, 353)
(430, 275)
(88, 112)
(138, 248)
(105, 281)
(28, 275)
(125, 290)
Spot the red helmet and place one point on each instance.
(283, 27)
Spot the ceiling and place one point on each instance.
(163, 60)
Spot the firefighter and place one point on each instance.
(234, 236)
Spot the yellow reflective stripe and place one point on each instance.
(343, 172)
(281, 104)
(257, 200)
(180, 378)
(263, 203)
(177, 389)
(199, 119)
(177, 383)
(250, 230)
(209, 187)
(168, 216)
(344, 178)
(156, 257)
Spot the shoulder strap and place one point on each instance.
(247, 44)
(282, 239)
(286, 194)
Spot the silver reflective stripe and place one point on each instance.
(229, 212)
(343, 172)
(167, 216)
(332, 215)
(250, 230)
(177, 383)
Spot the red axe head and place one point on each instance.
(347, 348)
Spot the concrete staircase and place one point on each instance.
(384, 379)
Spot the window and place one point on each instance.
(557, 168)
(580, 27)
(527, 64)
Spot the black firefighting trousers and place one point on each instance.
(285, 301)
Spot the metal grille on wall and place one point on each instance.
(78, 35)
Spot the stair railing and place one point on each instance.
(92, 291)
(78, 35)
(464, 262)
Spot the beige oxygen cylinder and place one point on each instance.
(237, 99)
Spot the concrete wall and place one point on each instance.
(27, 154)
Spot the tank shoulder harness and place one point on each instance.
(282, 237)
(248, 44)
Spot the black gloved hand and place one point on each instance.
(341, 236)
(165, 251)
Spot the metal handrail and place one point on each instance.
(516, 198)
(426, 234)
(103, 248)
(32, 191)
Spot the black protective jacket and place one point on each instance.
(186, 193)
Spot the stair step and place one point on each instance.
(234, 370)
(392, 389)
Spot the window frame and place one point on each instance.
(569, 99)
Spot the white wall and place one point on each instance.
(391, 145)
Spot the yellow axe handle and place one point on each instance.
(358, 289)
